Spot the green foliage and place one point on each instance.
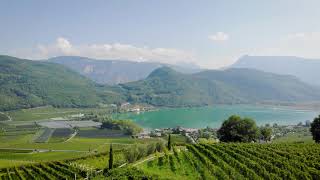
(169, 142)
(266, 133)
(127, 126)
(50, 170)
(110, 157)
(27, 84)
(138, 151)
(166, 87)
(128, 173)
(315, 129)
(239, 161)
(237, 129)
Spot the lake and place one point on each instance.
(200, 117)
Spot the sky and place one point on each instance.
(208, 33)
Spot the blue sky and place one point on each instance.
(208, 33)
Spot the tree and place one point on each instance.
(237, 129)
(266, 133)
(110, 157)
(169, 142)
(315, 129)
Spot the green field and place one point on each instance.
(47, 112)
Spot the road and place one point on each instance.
(73, 135)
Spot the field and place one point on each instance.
(238, 161)
(47, 112)
(50, 170)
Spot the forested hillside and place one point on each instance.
(166, 87)
(26, 84)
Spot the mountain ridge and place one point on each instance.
(305, 69)
(27, 84)
(165, 86)
(113, 71)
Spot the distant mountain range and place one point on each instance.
(115, 71)
(166, 87)
(26, 83)
(305, 69)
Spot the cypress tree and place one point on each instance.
(169, 142)
(110, 157)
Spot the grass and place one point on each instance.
(294, 138)
(47, 112)
(81, 144)
(41, 156)
(101, 162)
(177, 139)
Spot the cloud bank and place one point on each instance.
(301, 44)
(63, 47)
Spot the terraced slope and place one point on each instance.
(50, 170)
(239, 161)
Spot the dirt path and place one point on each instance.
(72, 136)
(147, 159)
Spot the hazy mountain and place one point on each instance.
(166, 87)
(26, 83)
(305, 69)
(115, 71)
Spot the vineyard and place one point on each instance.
(50, 170)
(199, 161)
(238, 161)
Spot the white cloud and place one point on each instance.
(219, 36)
(63, 46)
(302, 44)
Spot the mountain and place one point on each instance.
(26, 84)
(115, 71)
(166, 87)
(305, 69)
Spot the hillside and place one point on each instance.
(166, 87)
(228, 161)
(114, 71)
(26, 84)
(305, 69)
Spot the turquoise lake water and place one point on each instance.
(213, 116)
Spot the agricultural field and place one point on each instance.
(99, 133)
(50, 170)
(3, 117)
(44, 135)
(61, 135)
(237, 161)
(47, 112)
